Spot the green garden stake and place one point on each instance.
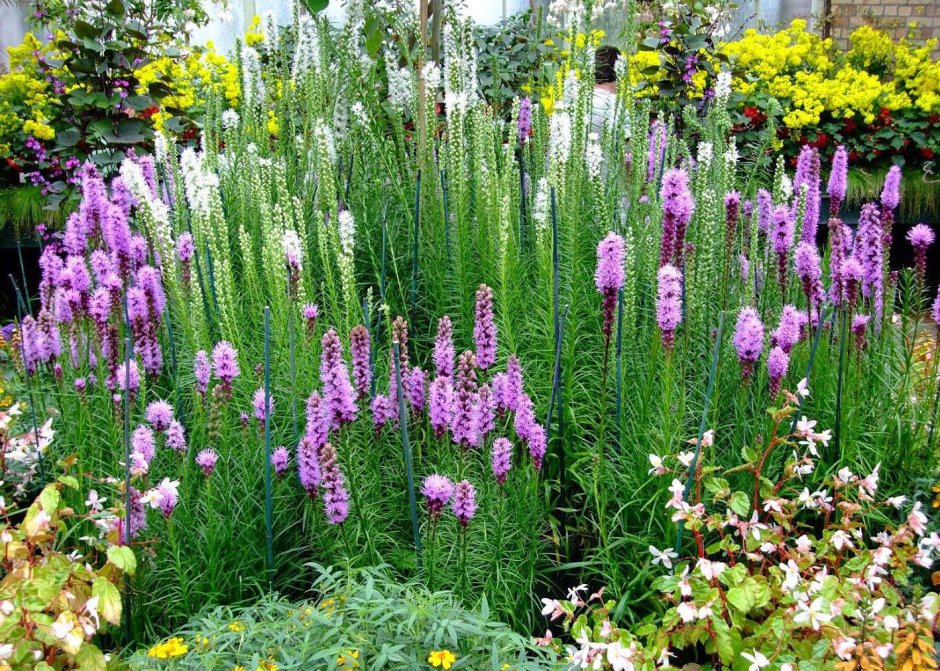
(618, 383)
(368, 321)
(555, 393)
(29, 300)
(211, 267)
(202, 290)
(29, 386)
(446, 212)
(522, 199)
(414, 257)
(268, 501)
(701, 428)
(809, 363)
(174, 363)
(403, 423)
(556, 383)
(837, 430)
(382, 279)
(128, 355)
(292, 357)
(349, 171)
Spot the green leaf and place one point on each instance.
(315, 6)
(109, 599)
(749, 595)
(69, 481)
(123, 557)
(740, 503)
(115, 8)
(49, 499)
(68, 138)
(726, 638)
(90, 658)
(83, 29)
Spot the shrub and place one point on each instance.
(779, 575)
(53, 604)
(362, 619)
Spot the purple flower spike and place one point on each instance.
(748, 340)
(501, 459)
(159, 414)
(440, 404)
(359, 349)
(202, 370)
(609, 277)
(280, 460)
(807, 264)
(438, 490)
(225, 365)
(935, 309)
(338, 392)
(921, 237)
(263, 405)
(790, 330)
(781, 236)
(206, 460)
(838, 180)
(807, 174)
(308, 465)
(525, 120)
(777, 363)
(484, 329)
(669, 303)
(484, 413)
(415, 388)
(869, 248)
(335, 495)
(444, 348)
(677, 210)
(462, 420)
(176, 437)
(465, 505)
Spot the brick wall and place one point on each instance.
(892, 16)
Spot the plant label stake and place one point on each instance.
(701, 428)
(414, 256)
(403, 422)
(618, 383)
(268, 502)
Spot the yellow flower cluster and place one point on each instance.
(189, 80)
(551, 93)
(801, 70)
(26, 103)
(173, 647)
(254, 35)
(442, 659)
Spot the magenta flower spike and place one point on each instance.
(838, 181)
(338, 393)
(438, 490)
(669, 303)
(748, 340)
(777, 363)
(440, 404)
(206, 460)
(444, 348)
(465, 505)
(359, 348)
(159, 414)
(609, 277)
(465, 396)
(335, 494)
(501, 459)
